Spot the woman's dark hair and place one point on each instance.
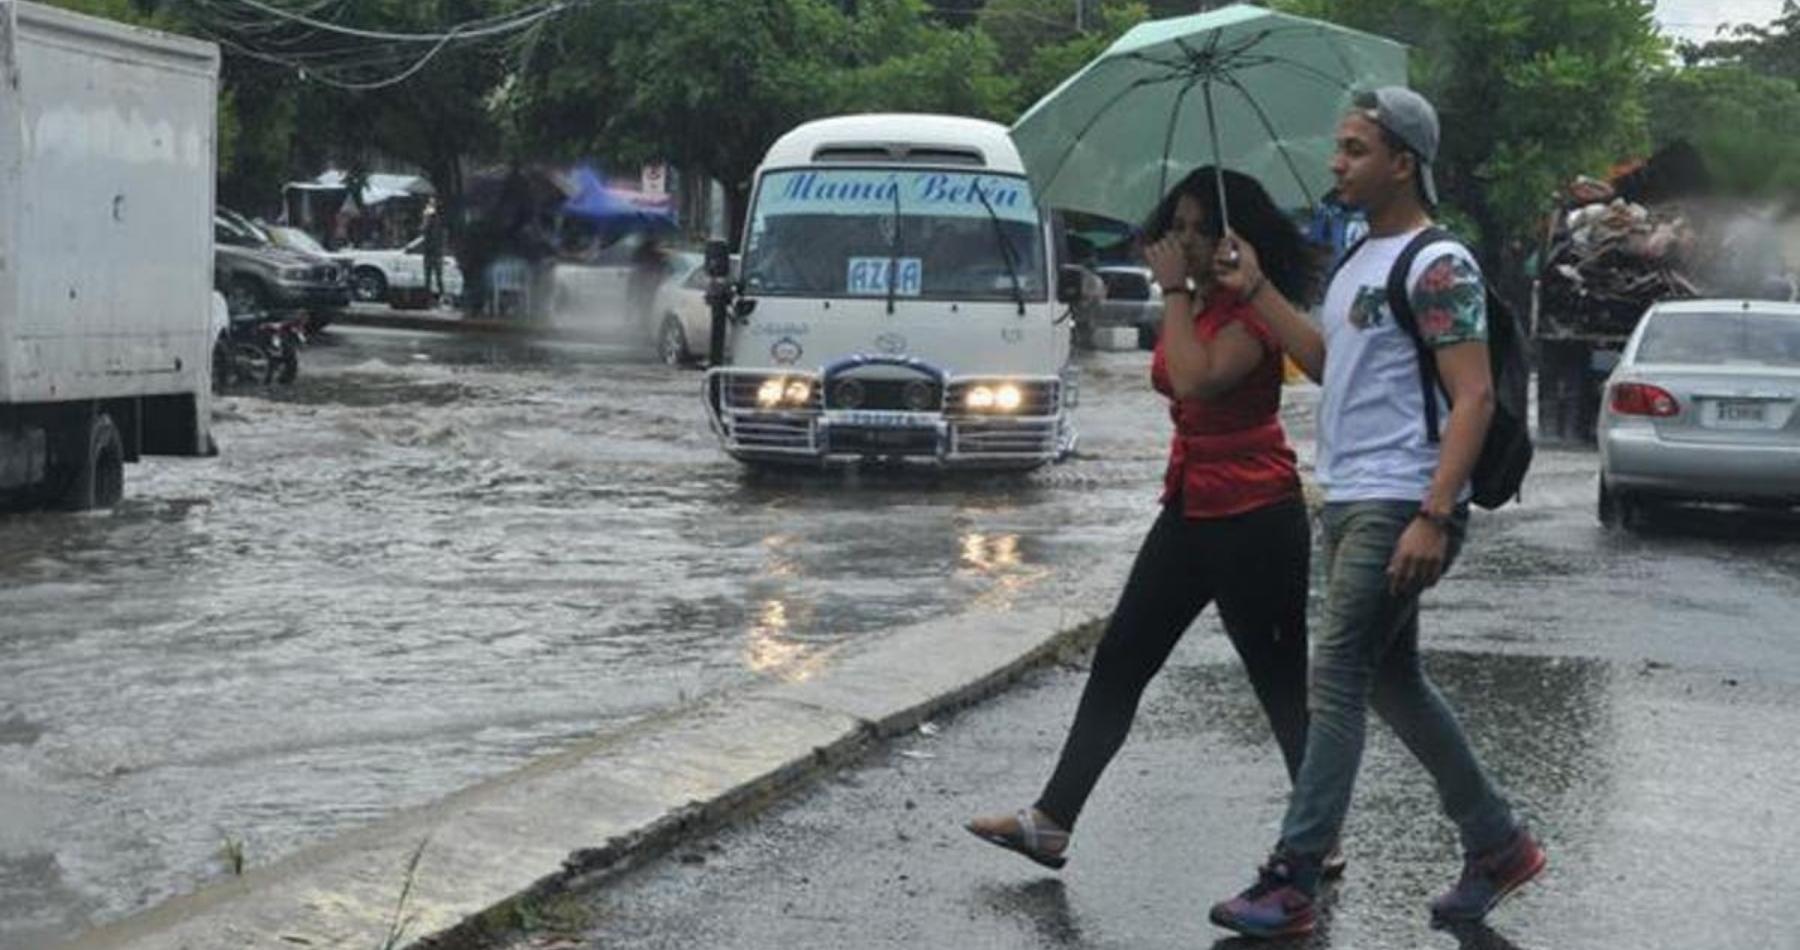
(1287, 260)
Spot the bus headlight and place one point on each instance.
(768, 396)
(778, 392)
(994, 397)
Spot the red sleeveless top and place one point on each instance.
(1229, 454)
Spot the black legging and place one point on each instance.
(1255, 565)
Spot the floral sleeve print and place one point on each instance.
(1450, 302)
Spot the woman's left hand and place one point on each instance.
(1168, 262)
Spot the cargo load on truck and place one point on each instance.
(1652, 232)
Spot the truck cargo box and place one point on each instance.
(106, 195)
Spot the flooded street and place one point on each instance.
(434, 558)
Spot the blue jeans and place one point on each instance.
(1366, 653)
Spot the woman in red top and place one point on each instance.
(1233, 527)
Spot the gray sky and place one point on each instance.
(1697, 19)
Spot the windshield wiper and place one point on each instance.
(1006, 254)
(893, 274)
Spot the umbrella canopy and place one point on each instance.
(611, 209)
(1241, 87)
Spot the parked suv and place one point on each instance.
(256, 275)
(1132, 300)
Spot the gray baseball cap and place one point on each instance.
(1411, 118)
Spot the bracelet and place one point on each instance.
(1441, 522)
(1166, 291)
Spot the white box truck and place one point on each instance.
(107, 136)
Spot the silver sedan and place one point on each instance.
(1703, 406)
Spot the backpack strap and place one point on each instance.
(1399, 300)
(1349, 252)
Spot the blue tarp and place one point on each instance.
(594, 201)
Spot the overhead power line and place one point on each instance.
(309, 40)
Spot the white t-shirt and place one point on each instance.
(1372, 440)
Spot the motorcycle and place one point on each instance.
(258, 348)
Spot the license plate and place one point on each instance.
(870, 276)
(1741, 412)
(874, 419)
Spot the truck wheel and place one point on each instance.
(368, 285)
(99, 471)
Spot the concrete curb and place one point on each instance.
(490, 855)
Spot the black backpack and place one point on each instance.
(1506, 452)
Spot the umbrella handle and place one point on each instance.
(1212, 129)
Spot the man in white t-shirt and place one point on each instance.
(1395, 516)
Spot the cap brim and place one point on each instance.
(1427, 185)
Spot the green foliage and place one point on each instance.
(954, 71)
(1772, 50)
(1050, 64)
(1746, 125)
(1530, 92)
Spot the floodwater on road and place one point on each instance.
(435, 558)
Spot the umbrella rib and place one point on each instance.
(1337, 50)
(1274, 136)
(1162, 172)
(1343, 85)
(1062, 160)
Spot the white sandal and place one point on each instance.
(1028, 839)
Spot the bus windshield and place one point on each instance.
(844, 232)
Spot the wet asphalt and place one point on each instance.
(1637, 696)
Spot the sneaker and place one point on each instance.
(1488, 878)
(1279, 904)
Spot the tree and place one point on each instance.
(1051, 63)
(1772, 50)
(710, 84)
(1530, 93)
(899, 60)
(1745, 125)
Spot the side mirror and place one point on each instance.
(1070, 284)
(718, 259)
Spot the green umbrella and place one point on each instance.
(1240, 87)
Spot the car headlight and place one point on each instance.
(980, 397)
(295, 273)
(798, 392)
(1007, 398)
